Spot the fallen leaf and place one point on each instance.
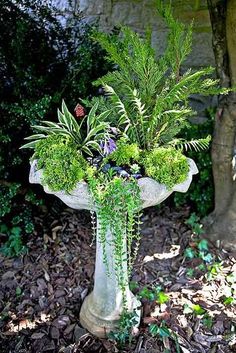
(37, 335)
(54, 332)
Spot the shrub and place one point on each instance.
(17, 205)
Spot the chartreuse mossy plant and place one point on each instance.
(166, 165)
(63, 166)
(125, 153)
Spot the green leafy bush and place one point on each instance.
(166, 165)
(7, 193)
(16, 221)
(13, 246)
(63, 166)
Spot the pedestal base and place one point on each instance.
(100, 326)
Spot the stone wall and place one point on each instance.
(138, 14)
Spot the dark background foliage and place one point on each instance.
(200, 196)
(41, 63)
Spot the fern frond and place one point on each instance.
(119, 106)
(179, 41)
(196, 145)
(141, 109)
(140, 118)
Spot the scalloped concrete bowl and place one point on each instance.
(152, 192)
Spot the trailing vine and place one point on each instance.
(118, 206)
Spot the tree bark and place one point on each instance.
(221, 224)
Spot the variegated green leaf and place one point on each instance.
(91, 116)
(35, 137)
(29, 145)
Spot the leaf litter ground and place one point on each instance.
(41, 292)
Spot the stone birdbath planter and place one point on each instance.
(101, 309)
(121, 153)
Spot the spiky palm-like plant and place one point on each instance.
(149, 97)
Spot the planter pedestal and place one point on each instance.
(101, 309)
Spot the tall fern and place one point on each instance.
(149, 97)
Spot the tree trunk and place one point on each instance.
(221, 224)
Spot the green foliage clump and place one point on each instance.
(124, 333)
(125, 153)
(15, 221)
(14, 245)
(63, 166)
(166, 165)
(7, 193)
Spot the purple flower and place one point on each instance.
(114, 130)
(108, 146)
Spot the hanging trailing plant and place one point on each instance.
(118, 210)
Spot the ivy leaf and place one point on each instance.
(202, 267)
(18, 291)
(187, 309)
(190, 272)
(192, 220)
(203, 245)
(162, 298)
(133, 285)
(153, 329)
(228, 300)
(164, 332)
(198, 310)
(207, 321)
(16, 231)
(206, 257)
(146, 294)
(189, 253)
(158, 289)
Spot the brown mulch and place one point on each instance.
(41, 292)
